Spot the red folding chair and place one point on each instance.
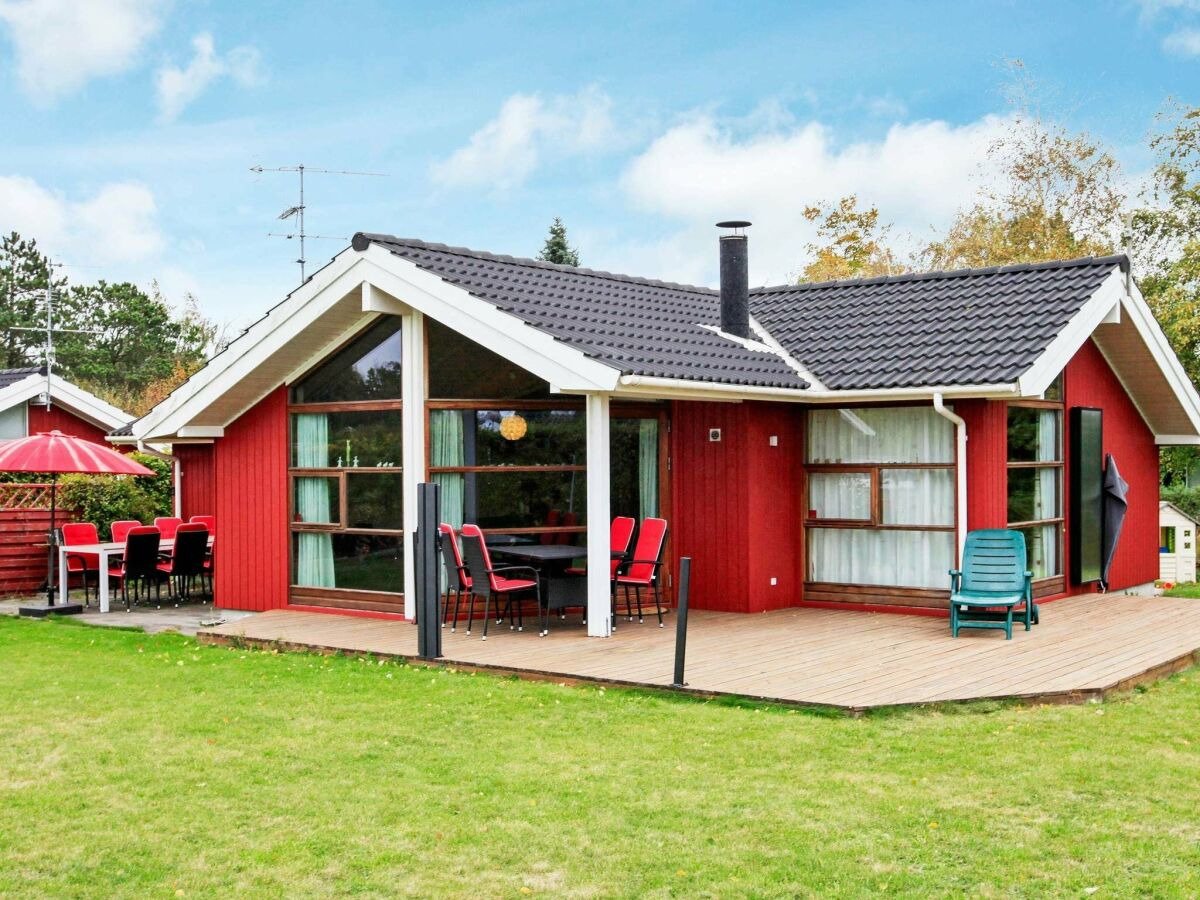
(120, 530)
(643, 570)
(82, 564)
(459, 580)
(167, 526)
(490, 583)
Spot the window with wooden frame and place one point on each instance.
(880, 506)
(347, 523)
(511, 457)
(1035, 480)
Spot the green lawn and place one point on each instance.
(151, 766)
(1187, 589)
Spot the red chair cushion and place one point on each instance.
(633, 579)
(503, 585)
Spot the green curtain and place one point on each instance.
(446, 449)
(314, 550)
(648, 467)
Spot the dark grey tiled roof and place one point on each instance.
(973, 326)
(9, 377)
(635, 325)
(125, 430)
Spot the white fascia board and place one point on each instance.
(676, 388)
(74, 399)
(502, 333)
(200, 431)
(1066, 344)
(1177, 440)
(264, 337)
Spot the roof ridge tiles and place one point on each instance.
(1117, 259)
(363, 238)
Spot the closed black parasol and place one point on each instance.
(1115, 503)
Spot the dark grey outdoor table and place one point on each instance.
(559, 590)
(505, 540)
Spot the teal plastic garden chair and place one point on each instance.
(993, 578)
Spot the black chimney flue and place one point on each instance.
(735, 281)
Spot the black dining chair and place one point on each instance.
(186, 562)
(138, 566)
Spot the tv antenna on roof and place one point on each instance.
(296, 213)
(49, 328)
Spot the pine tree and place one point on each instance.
(556, 249)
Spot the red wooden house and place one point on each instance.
(24, 508)
(812, 444)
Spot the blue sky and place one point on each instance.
(132, 124)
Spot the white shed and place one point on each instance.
(1176, 544)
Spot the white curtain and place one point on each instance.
(925, 497)
(918, 496)
(896, 434)
(839, 495)
(918, 559)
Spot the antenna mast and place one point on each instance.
(48, 348)
(297, 212)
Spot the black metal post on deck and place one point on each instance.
(681, 613)
(427, 580)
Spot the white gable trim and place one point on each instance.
(485, 324)
(389, 285)
(1066, 344)
(74, 399)
(1117, 297)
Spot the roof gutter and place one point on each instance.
(960, 467)
(668, 387)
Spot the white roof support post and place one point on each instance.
(412, 380)
(599, 591)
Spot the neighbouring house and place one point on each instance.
(32, 402)
(816, 444)
(1176, 544)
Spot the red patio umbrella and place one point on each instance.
(55, 453)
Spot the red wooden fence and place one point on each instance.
(24, 521)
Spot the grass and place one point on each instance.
(139, 765)
(1188, 589)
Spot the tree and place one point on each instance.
(141, 343)
(1165, 236)
(1058, 197)
(852, 243)
(24, 271)
(556, 248)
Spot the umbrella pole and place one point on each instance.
(50, 541)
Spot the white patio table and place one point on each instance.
(104, 551)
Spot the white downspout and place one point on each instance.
(960, 428)
(177, 470)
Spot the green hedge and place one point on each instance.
(1187, 499)
(104, 499)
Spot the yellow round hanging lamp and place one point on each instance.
(513, 427)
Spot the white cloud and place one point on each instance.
(62, 44)
(178, 87)
(702, 171)
(118, 224)
(1184, 42)
(528, 128)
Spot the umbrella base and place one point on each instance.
(43, 609)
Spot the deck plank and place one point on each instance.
(1085, 646)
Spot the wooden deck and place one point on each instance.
(1086, 647)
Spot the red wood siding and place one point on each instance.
(197, 482)
(735, 503)
(987, 457)
(1090, 382)
(41, 419)
(250, 488)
